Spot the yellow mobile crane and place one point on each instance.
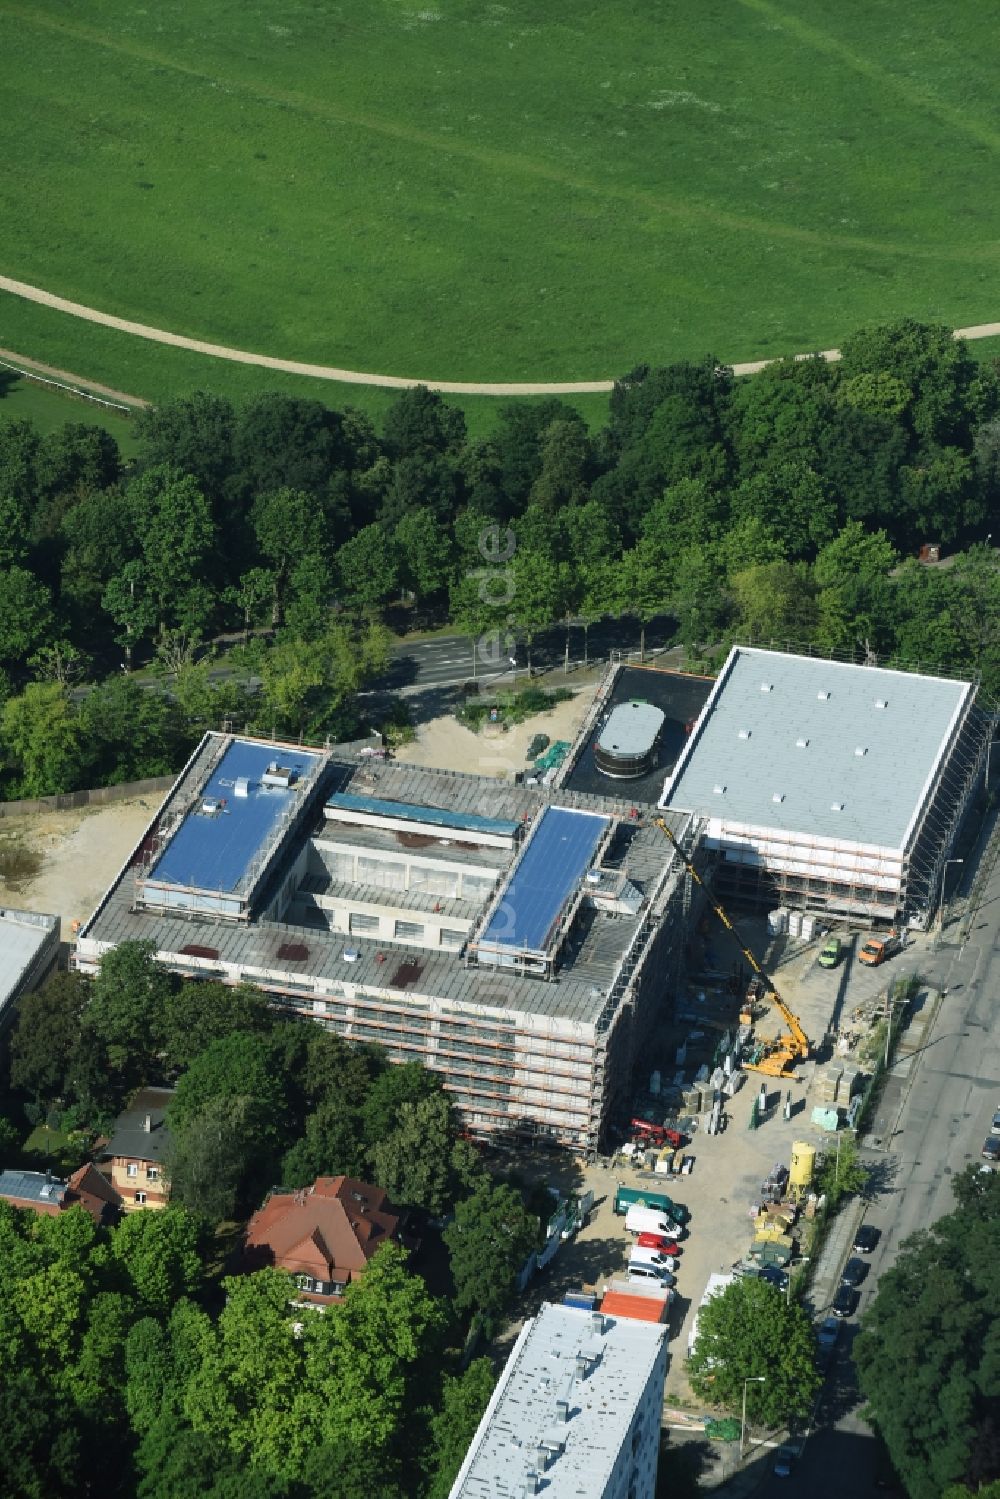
(782, 1052)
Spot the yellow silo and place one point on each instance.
(802, 1167)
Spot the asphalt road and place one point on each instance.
(952, 1090)
(449, 660)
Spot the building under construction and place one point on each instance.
(829, 786)
(520, 940)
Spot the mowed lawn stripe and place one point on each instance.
(508, 164)
(481, 192)
(918, 98)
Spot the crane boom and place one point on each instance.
(789, 1049)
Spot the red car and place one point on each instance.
(658, 1242)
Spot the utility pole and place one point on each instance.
(753, 1379)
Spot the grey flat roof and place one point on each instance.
(387, 840)
(578, 992)
(22, 936)
(522, 1414)
(812, 734)
(631, 729)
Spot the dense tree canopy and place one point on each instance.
(302, 526)
(928, 1355)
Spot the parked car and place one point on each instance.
(643, 1270)
(657, 1241)
(866, 1239)
(784, 1462)
(854, 1272)
(828, 1335)
(646, 1273)
(995, 1126)
(991, 1149)
(831, 952)
(774, 1277)
(639, 1256)
(845, 1302)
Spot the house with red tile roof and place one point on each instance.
(88, 1188)
(323, 1235)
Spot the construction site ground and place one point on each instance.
(63, 862)
(729, 1167)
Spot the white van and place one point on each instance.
(649, 1221)
(642, 1256)
(646, 1274)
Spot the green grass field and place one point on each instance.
(27, 400)
(457, 190)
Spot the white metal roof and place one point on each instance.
(820, 748)
(22, 936)
(631, 728)
(524, 1412)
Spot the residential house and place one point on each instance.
(41, 1192)
(88, 1188)
(324, 1235)
(137, 1150)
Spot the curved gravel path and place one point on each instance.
(360, 377)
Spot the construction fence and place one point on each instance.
(97, 796)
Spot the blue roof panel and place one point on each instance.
(552, 865)
(213, 852)
(411, 812)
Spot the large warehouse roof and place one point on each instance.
(817, 747)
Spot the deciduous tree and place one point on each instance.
(488, 1241)
(463, 1400)
(40, 730)
(162, 1255)
(414, 1163)
(934, 1410)
(408, 1083)
(750, 1330)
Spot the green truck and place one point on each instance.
(640, 1197)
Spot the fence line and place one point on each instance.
(69, 801)
(73, 390)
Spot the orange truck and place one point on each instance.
(877, 949)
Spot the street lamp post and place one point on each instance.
(753, 1379)
(944, 874)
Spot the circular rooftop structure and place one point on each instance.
(627, 745)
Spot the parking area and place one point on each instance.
(729, 1167)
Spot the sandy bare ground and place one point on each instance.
(80, 854)
(449, 745)
(359, 377)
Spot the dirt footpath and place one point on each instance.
(449, 745)
(64, 861)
